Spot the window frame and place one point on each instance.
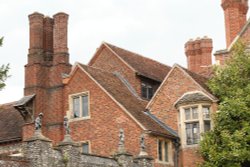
(169, 151)
(200, 120)
(71, 105)
(89, 146)
(147, 86)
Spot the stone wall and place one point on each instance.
(38, 151)
(10, 148)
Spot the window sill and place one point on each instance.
(191, 146)
(79, 119)
(164, 162)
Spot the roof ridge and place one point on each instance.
(96, 68)
(137, 54)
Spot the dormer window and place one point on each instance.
(146, 91)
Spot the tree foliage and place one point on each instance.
(228, 144)
(4, 69)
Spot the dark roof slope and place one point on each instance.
(121, 93)
(142, 65)
(10, 123)
(192, 97)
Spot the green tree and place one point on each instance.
(4, 69)
(228, 144)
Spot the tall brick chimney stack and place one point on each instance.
(198, 52)
(235, 13)
(48, 59)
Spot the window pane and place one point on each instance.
(150, 92)
(206, 112)
(187, 114)
(196, 133)
(85, 147)
(192, 133)
(160, 150)
(76, 107)
(85, 107)
(144, 91)
(195, 113)
(166, 151)
(189, 133)
(207, 126)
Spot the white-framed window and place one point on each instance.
(194, 120)
(79, 105)
(146, 91)
(85, 147)
(164, 153)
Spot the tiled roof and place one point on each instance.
(192, 97)
(135, 106)
(142, 65)
(24, 100)
(10, 123)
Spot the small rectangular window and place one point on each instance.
(163, 149)
(80, 106)
(85, 147)
(160, 150)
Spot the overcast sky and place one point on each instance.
(154, 28)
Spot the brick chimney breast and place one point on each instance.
(235, 13)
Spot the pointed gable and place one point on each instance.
(177, 82)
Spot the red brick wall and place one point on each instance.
(107, 61)
(107, 118)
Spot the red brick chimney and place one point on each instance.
(198, 53)
(235, 13)
(48, 59)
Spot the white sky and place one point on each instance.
(154, 28)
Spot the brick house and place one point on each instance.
(118, 89)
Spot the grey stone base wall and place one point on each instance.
(10, 148)
(39, 152)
